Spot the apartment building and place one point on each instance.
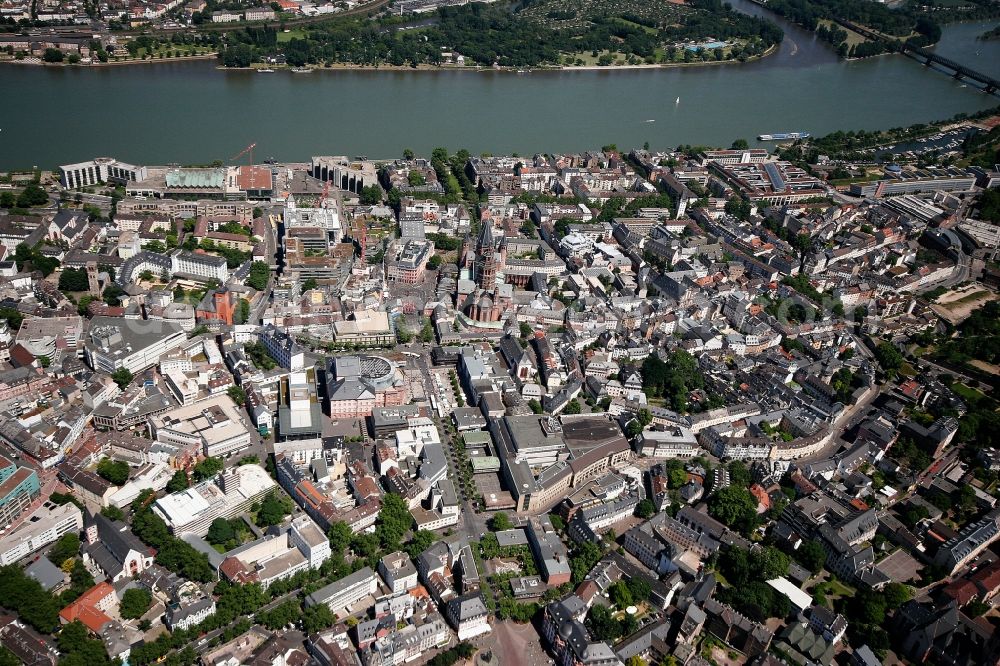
(344, 593)
(198, 266)
(45, 525)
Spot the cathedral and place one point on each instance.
(481, 264)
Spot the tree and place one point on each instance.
(111, 512)
(340, 537)
(811, 555)
(735, 507)
(66, 547)
(573, 407)
(238, 395)
(427, 331)
(178, 482)
(394, 520)
(53, 55)
(72, 279)
(896, 594)
(114, 471)
(135, 603)
(500, 522)
(122, 377)
(260, 273)
(273, 509)
(208, 468)
(286, 613)
(602, 623)
(536, 407)
(220, 532)
(740, 144)
(28, 599)
(636, 660)
(421, 541)
(407, 154)
(645, 417)
(8, 658)
(583, 559)
(639, 588)
(364, 545)
(677, 477)
(620, 595)
(371, 195)
(769, 563)
(888, 357)
(465, 650)
(645, 509)
(316, 618)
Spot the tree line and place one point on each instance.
(489, 35)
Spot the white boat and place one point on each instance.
(651, 120)
(265, 71)
(677, 101)
(302, 70)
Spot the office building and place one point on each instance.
(213, 425)
(113, 343)
(99, 171)
(229, 494)
(198, 266)
(45, 525)
(346, 592)
(19, 487)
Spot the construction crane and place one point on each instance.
(363, 241)
(248, 149)
(326, 193)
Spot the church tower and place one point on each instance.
(468, 257)
(93, 282)
(486, 268)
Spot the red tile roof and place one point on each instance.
(85, 608)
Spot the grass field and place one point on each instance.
(852, 37)
(290, 35)
(968, 393)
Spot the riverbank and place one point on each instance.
(350, 67)
(111, 63)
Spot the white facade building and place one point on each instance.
(44, 526)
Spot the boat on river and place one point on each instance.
(783, 136)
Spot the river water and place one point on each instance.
(194, 113)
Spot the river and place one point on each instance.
(191, 112)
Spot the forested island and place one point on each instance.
(916, 23)
(991, 34)
(542, 33)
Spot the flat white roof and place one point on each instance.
(182, 507)
(798, 598)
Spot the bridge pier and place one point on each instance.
(957, 75)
